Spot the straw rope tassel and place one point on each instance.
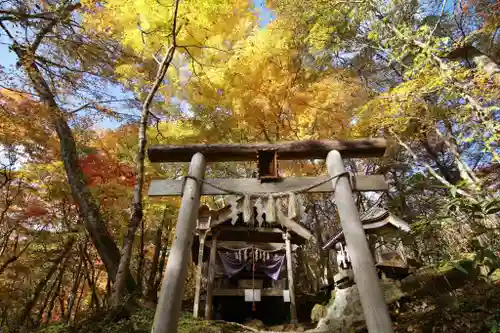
(233, 201)
(292, 206)
(247, 209)
(259, 205)
(270, 210)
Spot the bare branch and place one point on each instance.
(465, 170)
(9, 15)
(7, 32)
(431, 170)
(443, 6)
(204, 47)
(62, 12)
(94, 104)
(14, 257)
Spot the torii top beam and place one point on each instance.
(296, 150)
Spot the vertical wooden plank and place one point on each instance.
(196, 305)
(211, 278)
(365, 275)
(169, 304)
(291, 285)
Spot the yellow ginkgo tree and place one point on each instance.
(269, 90)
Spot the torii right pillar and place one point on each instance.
(365, 275)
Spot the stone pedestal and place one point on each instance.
(344, 313)
(344, 279)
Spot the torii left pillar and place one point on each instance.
(169, 303)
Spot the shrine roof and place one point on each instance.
(373, 220)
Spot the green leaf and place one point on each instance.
(492, 207)
(460, 268)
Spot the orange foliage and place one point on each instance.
(25, 122)
(35, 211)
(489, 11)
(101, 169)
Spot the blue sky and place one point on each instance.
(265, 15)
(7, 57)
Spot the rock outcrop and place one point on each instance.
(345, 313)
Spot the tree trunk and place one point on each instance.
(74, 290)
(161, 266)
(95, 298)
(151, 291)
(91, 283)
(446, 172)
(61, 305)
(38, 289)
(136, 207)
(108, 292)
(48, 297)
(322, 254)
(77, 306)
(91, 276)
(152, 288)
(140, 266)
(3, 317)
(89, 211)
(53, 300)
(5, 242)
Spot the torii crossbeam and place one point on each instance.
(170, 299)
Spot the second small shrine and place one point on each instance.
(385, 232)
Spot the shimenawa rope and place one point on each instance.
(262, 195)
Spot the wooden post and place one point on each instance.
(169, 304)
(196, 305)
(365, 275)
(291, 286)
(211, 277)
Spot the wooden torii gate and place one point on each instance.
(193, 186)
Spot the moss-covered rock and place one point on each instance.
(254, 323)
(190, 325)
(318, 312)
(391, 291)
(446, 276)
(495, 276)
(332, 298)
(344, 310)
